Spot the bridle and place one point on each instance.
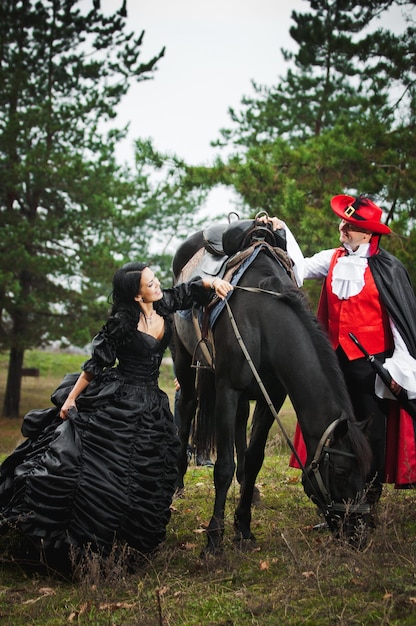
(319, 466)
(319, 470)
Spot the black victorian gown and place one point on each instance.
(107, 472)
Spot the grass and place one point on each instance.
(295, 575)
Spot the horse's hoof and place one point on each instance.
(211, 551)
(245, 544)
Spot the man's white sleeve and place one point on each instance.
(316, 266)
(401, 367)
(295, 253)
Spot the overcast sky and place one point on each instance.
(213, 50)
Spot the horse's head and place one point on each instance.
(336, 479)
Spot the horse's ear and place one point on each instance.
(364, 425)
(341, 429)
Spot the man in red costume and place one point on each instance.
(367, 291)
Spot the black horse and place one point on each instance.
(290, 355)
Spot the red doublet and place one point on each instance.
(362, 314)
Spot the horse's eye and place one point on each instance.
(340, 472)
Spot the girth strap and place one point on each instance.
(202, 343)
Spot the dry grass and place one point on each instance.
(295, 575)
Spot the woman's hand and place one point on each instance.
(68, 404)
(82, 383)
(217, 284)
(221, 287)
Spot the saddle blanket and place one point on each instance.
(219, 306)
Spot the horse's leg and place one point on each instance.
(262, 422)
(187, 403)
(187, 408)
(243, 411)
(225, 413)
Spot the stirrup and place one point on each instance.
(206, 359)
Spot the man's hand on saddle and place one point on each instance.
(274, 221)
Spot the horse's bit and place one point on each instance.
(322, 457)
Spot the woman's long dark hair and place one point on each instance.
(126, 286)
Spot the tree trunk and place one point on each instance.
(14, 381)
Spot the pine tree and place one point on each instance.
(67, 210)
(341, 120)
(347, 68)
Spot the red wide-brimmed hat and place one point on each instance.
(362, 212)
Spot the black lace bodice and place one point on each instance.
(138, 354)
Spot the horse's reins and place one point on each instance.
(256, 374)
(323, 499)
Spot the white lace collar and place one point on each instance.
(362, 250)
(348, 274)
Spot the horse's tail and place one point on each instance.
(203, 435)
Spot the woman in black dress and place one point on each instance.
(100, 465)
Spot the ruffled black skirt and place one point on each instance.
(107, 473)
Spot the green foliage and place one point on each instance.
(65, 205)
(171, 206)
(345, 67)
(342, 120)
(69, 213)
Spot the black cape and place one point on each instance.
(396, 292)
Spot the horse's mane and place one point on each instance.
(329, 363)
(360, 446)
(297, 300)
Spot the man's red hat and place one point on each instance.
(361, 211)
